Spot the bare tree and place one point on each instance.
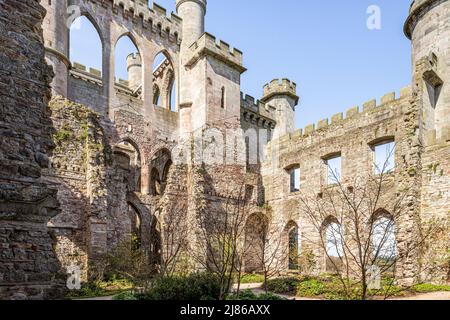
(219, 249)
(266, 249)
(357, 222)
(174, 233)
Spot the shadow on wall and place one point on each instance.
(99, 190)
(29, 268)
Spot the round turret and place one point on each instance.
(283, 87)
(428, 29)
(193, 14)
(134, 67)
(281, 94)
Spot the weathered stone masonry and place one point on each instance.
(28, 264)
(417, 121)
(113, 171)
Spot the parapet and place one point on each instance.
(256, 106)
(388, 100)
(203, 3)
(208, 45)
(415, 4)
(154, 18)
(92, 72)
(416, 10)
(278, 87)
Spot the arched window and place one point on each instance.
(293, 245)
(130, 149)
(136, 223)
(333, 238)
(383, 239)
(155, 242)
(161, 163)
(155, 183)
(165, 175)
(164, 80)
(255, 242)
(128, 64)
(85, 45)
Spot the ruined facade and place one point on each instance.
(124, 153)
(29, 267)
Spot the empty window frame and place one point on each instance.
(294, 178)
(334, 169)
(384, 157)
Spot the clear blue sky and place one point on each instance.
(322, 45)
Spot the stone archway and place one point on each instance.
(256, 229)
(160, 166)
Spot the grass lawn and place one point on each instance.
(331, 288)
(101, 289)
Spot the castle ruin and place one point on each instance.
(108, 157)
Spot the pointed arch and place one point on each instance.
(256, 228)
(131, 150)
(165, 175)
(384, 240)
(164, 77)
(160, 56)
(333, 236)
(293, 244)
(128, 61)
(160, 166)
(136, 225)
(155, 185)
(86, 43)
(333, 241)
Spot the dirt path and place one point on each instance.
(97, 298)
(428, 296)
(256, 288)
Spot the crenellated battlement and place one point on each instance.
(209, 45)
(256, 106)
(280, 87)
(371, 106)
(134, 60)
(154, 18)
(94, 73)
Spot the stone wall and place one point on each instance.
(28, 265)
(351, 138)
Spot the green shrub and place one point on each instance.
(248, 295)
(310, 288)
(198, 286)
(427, 287)
(283, 285)
(252, 278)
(101, 288)
(125, 296)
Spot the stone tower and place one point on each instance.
(193, 27)
(56, 35)
(193, 14)
(134, 68)
(210, 73)
(428, 28)
(282, 95)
